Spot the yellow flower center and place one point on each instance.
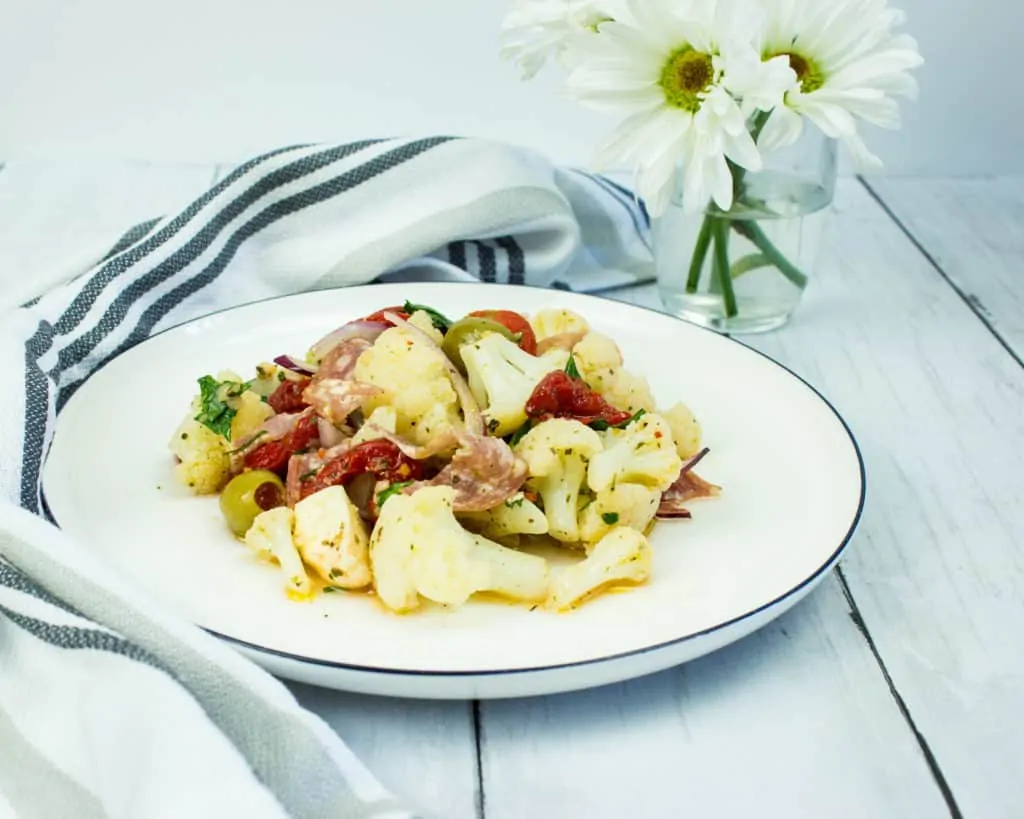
(808, 74)
(686, 75)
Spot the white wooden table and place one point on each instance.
(896, 689)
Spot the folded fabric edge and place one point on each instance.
(233, 691)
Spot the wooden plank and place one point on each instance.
(974, 231)
(421, 750)
(57, 217)
(799, 714)
(795, 720)
(936, 570)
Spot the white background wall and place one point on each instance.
(189, 80)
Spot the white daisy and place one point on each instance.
(537, 29)
(669, 67)
(849, 65)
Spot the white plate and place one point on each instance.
(793, 490)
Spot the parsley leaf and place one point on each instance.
(439, 320)
(601, 425)
(571, 369)
(611, 518)
(394, 489)
(515, 504)
(214, 414)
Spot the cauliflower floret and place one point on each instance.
(204, 465)
(620, 557)
(421, 320)
(516, 516)
(686, 431)
(642, 453)
(502, 377)
(250, 413)
(270, 536)
(382, 418)
(554, 321)
(624, 504)
(628, 392)
(556, 453)
(415, 382)
(419, 549)
(598, 360)
(332, 539)
(268, 378)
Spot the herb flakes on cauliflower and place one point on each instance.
(502, 377)
(270, 536)
(622, 557)
(516, 516)
(624, 504)
(332, 538)
(642, 453)
(414, 379)
(418, 549)
(686, 431)
(557, 453)
(556, 321)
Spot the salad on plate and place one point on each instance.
(428, 460)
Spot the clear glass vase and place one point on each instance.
(745, 270)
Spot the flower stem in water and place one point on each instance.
(752, 231)
(700, 252)
(721, 230)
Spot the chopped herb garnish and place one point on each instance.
(611, 518)
(394, 489)
(330, 589)
(571, 369)
(305, 476)
(214, 414)
(248, 443)
(493, 424)
(439, 320)
(515, 503)
(518, 435)
(601, 425)
(236, 388)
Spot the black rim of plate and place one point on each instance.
(594, 661)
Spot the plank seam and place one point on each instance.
(479, 798)
(929, 756)
(972, 301)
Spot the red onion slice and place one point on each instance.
(329, 434)
(368, 330)
(291, 363)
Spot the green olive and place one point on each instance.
(467, 331)
(247, 495)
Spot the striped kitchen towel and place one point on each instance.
(111, 707)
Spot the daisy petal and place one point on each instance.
(783, 128)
